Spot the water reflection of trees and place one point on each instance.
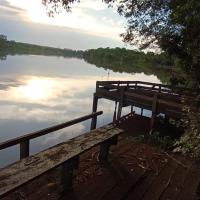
(130, 61)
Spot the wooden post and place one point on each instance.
(120, 105)
(159, 89)
(104, 151)
(94, 109)
(114, 114)
(154, 111)
(68, 172)
(104, 148)
(142, 111)
(131, 109)
(166, 120)
(24, 149)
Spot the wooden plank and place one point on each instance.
(175, 186)
(122, 190)
(94, 188)
(27, 169)
(190, 188)
(161, 183)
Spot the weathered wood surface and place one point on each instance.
(137, 171)
(134, 171)
(141, 94)
(29, 168)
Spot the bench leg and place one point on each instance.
(104, 151)
(104, 148)
(68, 172)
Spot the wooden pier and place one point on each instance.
(158, 98)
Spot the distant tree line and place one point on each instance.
(12, 48)
(132, 61)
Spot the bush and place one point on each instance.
(189, 143)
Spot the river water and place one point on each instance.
(41, 91)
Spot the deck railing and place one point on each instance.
(161, 88)
(24, 140)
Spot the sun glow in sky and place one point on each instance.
(91, 16)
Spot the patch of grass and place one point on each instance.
(165, 143)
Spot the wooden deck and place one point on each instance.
(155, 97)
(133, 171)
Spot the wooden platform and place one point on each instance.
(158, 98)
(134, 171)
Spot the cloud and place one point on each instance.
(9, 11)
(86, 16)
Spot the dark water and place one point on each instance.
(40, 91)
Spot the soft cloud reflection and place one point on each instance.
(44, 89)
(37, 92)
(50, 99)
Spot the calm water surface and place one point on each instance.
(40, 91)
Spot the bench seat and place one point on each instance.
(29, 168)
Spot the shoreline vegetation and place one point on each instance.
(19, 48)
(133, 61)
(115, 59)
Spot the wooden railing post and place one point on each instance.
(142, 111)
(94, 109)
(159, 90)
(121, 102)
(154, 111)
(131, 109)
(24, 149)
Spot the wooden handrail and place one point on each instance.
(160, 87)
(25, 138)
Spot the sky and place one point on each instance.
(91, 24)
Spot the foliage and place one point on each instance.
(163, 142)
(189, 143)
(172, 25)
(12, 48)
(53, 6)
(132, 61)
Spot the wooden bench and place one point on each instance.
(65, 154)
